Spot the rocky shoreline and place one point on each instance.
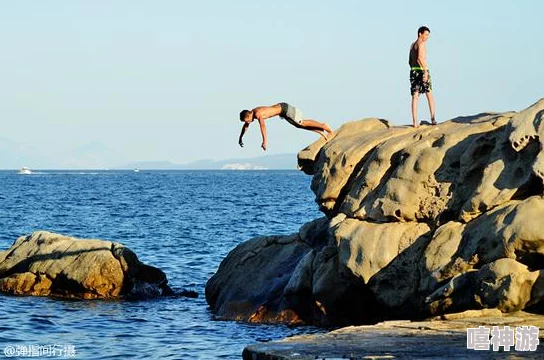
(419, 222)
(443, 337)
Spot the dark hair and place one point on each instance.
(422, 29)
(243, 114)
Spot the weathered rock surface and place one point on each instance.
(441, 338)
(48, 264)
(257, 296)
(419, 222)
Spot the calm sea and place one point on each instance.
(184, 222)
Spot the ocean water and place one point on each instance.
(183, 222)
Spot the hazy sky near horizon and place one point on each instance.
(165, 80)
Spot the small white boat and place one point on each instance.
(136, 170)
(25, 171)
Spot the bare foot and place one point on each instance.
(329, 131)
(324, 135)
(321, 133)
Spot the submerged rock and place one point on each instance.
(419, 222)
(48, 264)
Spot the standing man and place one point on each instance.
(420, 79)
(285, 111)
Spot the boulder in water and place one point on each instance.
(48, 264)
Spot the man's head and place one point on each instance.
(246, 116)
(423, 33)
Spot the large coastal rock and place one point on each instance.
(48, 264)
(418, 222)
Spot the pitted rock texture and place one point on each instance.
(418, 222)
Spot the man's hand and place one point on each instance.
(425, 76)
(263, 145)
(244, 128)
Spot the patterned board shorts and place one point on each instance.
(417, 84)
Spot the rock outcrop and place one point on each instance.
(48, 264)
(418, 222)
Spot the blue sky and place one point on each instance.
(165, 80)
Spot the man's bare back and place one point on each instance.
(265, 112)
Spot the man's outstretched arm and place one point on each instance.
(263, 133)
(244, 128)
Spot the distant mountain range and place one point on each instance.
(92, 155)
(272, 162)
(95, 155)
(14, 155)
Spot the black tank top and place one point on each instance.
(412, 60)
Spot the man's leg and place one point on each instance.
(430, 99)
(415, 98)
(310, 124)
